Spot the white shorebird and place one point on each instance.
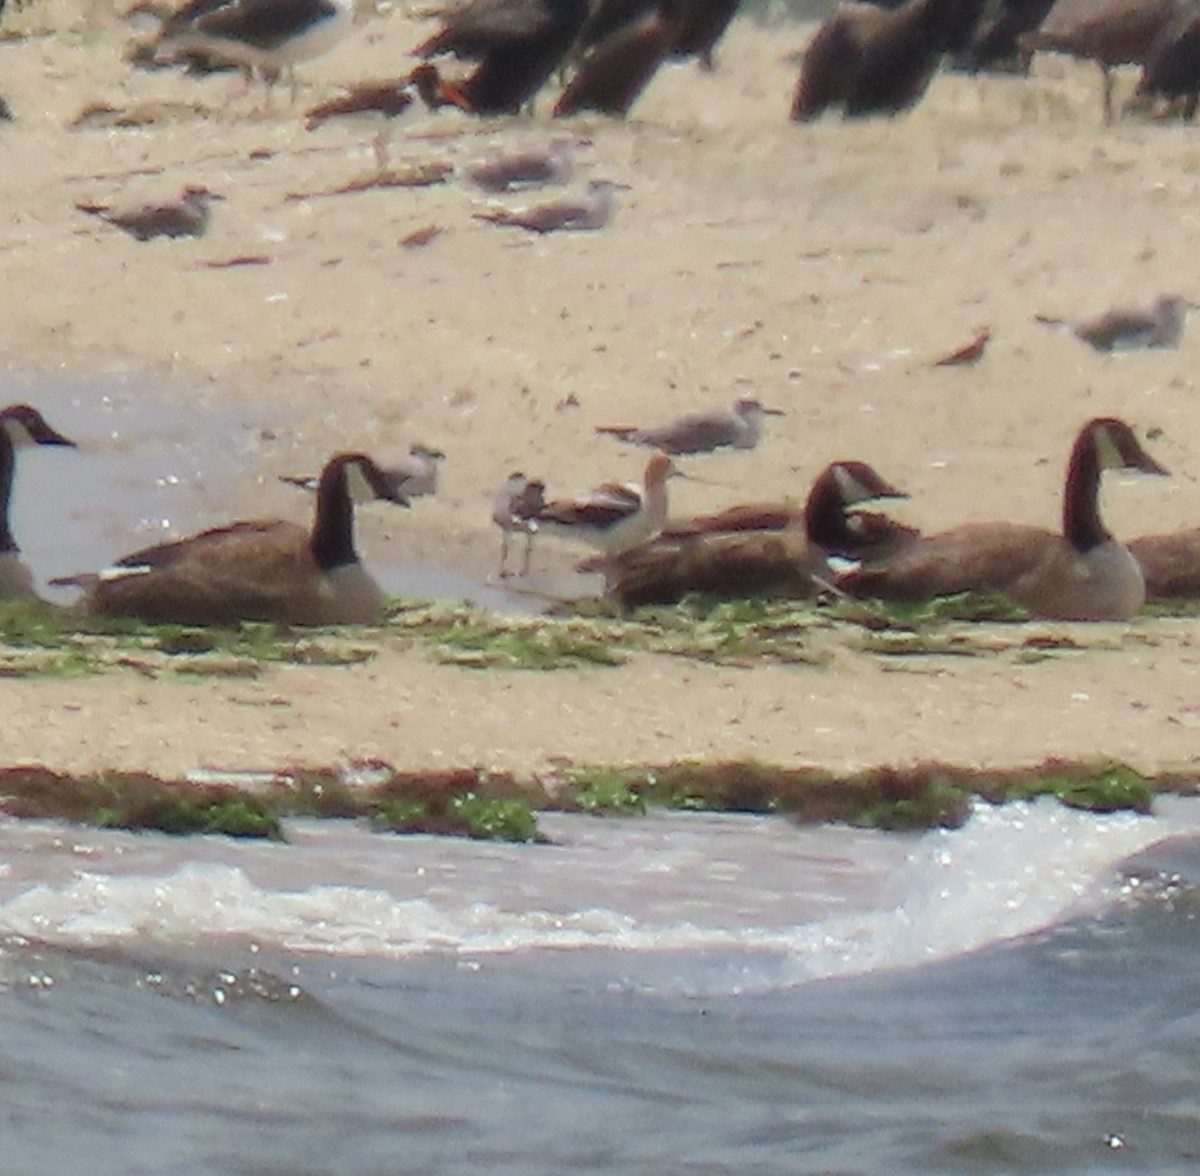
(701, 432)
(267, 37)
(1126, 328)
(186, 217)
(413, 476)
(591, 210)
(616, 516)
(515, 511)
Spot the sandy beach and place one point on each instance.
(820, 268)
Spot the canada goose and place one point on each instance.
(413, 476)
(20, 427)
(1170, 563)
(1082, 574)
(701, 432)
(762, 550)
(514, 510)
(615, 516)
(259, 570)
(1129, 328)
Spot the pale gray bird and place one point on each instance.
(740, 427)
(515, 509)
(591, 210)
(552, 162)
(1130, 328)
(413, 476)
(186, 217)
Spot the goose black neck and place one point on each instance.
(332, 540)
(1082, 525)
(825, 514)
(7, 463)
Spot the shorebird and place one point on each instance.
(517, 43)
(258, 570)
(1109, 32)
(515, 510)
(267, 37)
(186, 217)
(1172, 68)
(389, 98)
(552, 162)
(701, 432)
(1079, 574)
(592, 210)
(763, 549)
(20, 427)
(413, 476)
(1130, 328)
(613, 74)
(615, 516)
(873, 61)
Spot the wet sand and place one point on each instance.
(820, 268)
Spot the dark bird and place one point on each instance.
(186, 217)
(1172, 68)
(967, 355)
(769, 549)
(614, 73)
(259, 570)
(1079, 574)
(701, 432)
(701, 25)
(1126, 328)
(517, 44)
(515, 511)
(998, 41)
(20, 427)
(873, 61)
(267, 37)
(1108, 32)
(592, 210)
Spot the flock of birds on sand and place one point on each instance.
(864, 59)
(275, 570)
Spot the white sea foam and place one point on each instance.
(774, 905)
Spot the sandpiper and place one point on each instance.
(186, 217)
(552, 162)
(515, 510)
(1130, 328)
(592, 210)
(616, 516)
(701, 432)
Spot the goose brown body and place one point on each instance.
(1081, 573)
(262, 569)
(1170, 563)
(761, 550)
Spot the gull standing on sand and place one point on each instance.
(615, 516)
(1130, 328)
(186, 217)
(413, 476)
(701, 432)
(592, 210)
(515, 510)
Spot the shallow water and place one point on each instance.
(152, 467)
(669, 994)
